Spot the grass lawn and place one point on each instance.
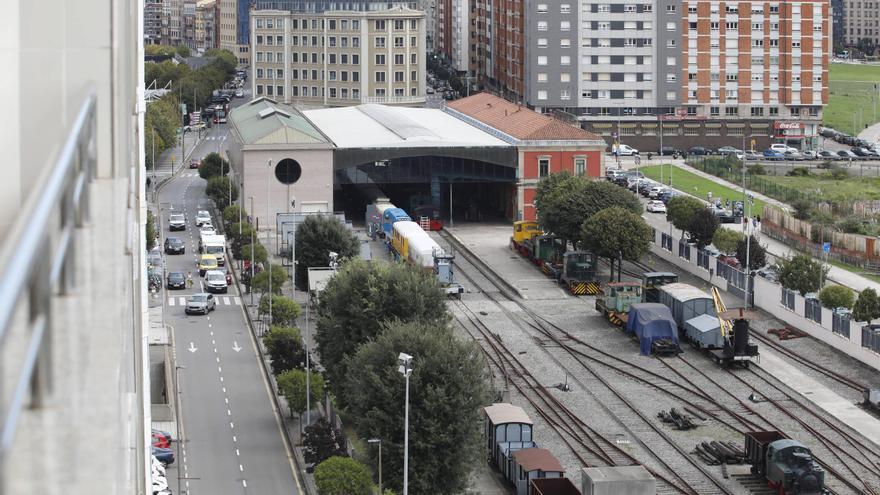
(851, 93)
(855, 188)
(698, 186)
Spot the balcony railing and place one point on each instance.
(392, 100)
(37, 264)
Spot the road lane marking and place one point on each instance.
(231, 425)
(237, 301)
(226, 301)
(219, 369)
(171, 301)
(243, 482)
(228, 412)
(182, 301)
(218, 360)
(241, 468)
(234, 439)
(224, 390)
(227, 400)
(237, 453)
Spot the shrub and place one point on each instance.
(799, 172)
(839, 173)
(836, 296)
(757, 169)
(285, 348)
(284, 310)
(802, 209)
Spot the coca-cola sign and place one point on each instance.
(788, 125)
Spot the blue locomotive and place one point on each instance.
(786, 464)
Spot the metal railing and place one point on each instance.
(37, 263)
(393, 99)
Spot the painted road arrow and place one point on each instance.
(192, 347)
(235, 346)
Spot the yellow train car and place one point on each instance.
(524, 230)
(399, 244)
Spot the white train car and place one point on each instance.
(412, 244)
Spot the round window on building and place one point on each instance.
(288, 171)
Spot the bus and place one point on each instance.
(219, 115)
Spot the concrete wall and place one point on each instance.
(768, 297)
(315, 186)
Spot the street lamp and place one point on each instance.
(379, 441)
(269, 260)
(751, 200)
(253, 261)
(405, 369)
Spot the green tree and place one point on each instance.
(231, 215)
(322, 441)
(867, 306)
(285, 348)
(447, 388)
(802, 209)
(292, 385)
(219, 188)
(680, 210)
(238, 241)
(726, 240)
(182, 50)
(343, 476)
(254, 252)
(836, 296)
(315, 238)
(801, 273)
(213, 165)
(360, 298)
(284, 309)
(151, 230)
(702, 229)
(225, 60)
(279, 277)
(757, 253)
(629, 239)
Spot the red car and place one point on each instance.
(161, 439)
(194, 163)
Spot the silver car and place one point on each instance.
(215, 281)
(201, 302)
(177, 222)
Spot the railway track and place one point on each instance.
(662, 448)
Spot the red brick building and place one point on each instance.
(544, 144)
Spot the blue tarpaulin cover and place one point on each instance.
(651, 322)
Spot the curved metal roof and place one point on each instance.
(502, 413)
(684, 292)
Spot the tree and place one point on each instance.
(292, 385)
(323, 441)
(315, 238)
(836, 296)
(757, 253)
(284, 310)
(151, 230)
(183, 51)
(231, 215)
(629, 239)
(360, 298)
(213, 165)
(254, 252)
(279, 277)
(867, 306)
(343, 476)
(801, 273)
(726, 240)
(447, 388)
(702, 229)
(802, 209)
(219, 188)
(247, 233)
(680, 210)
(285, 348)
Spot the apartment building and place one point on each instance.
(456, 34)
(861, 21)
(639, 70)
(233, 28)
(153, 14)
(339, 57)
(206, 36)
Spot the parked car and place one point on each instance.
(668, 194)
(656, 207)
(847, 155)
(781, 147)
(200, 303)
(215, 281)
(161, 439)
(669, 151)
(195, 163)
(699, 151)
(173, 245)
(771, 154)
(728, 150)
(796, 156)
(656, 191)
(645, 187)
(751, 156)
(165, 456)
(626, 150)
(239, 93)
(175, 280)
(723, 215)
(203, 217)
(811, 154)
(177, 222)
(828, 155)
(862, 152)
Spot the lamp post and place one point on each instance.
(269, 260)
(405, 369)
(748, 249)
(379, 441)
(253, 261)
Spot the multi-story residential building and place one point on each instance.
(861, 21)
(456, 34)
(206, 36)
(837, 21)
(233, 28)
(334, 57)
(188, 24)
(725, 70)
(172, 22)
(153, 13)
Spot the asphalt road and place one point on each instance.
(231, 438)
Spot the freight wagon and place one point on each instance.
(686, 302)
(653, 325)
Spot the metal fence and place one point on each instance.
(788, 298)
(666, 242)
(730, 169)
(684, 249)
(840, 322)
(813, 309)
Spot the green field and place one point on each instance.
(852, 94)
(828, 189)
(698, 186)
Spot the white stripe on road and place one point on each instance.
(182, 301)
(171, 301)
(237, 300)
(226, 301)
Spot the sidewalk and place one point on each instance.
(171, 156)
(871, 134)
(777, 249)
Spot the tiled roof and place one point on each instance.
(518, 121)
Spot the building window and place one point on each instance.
(398, 42)
(332, 75)
(757, 112)
(398, 24)
(713, 111)
(542, 25)
(355, 76)
(380, 59)
(413, 58)
(670, 9)
(398, 76)
(269, 90)
(542, 42)
(355, 42)
(564, 77)
(542, 59)
(774, 111)
(398, 59)
(542, 8)
(355, 59)
(670, 26)
(279, 90)
(565, 26)
(565, 60)
(731, 112)
(413, 75)
(542, 77)
(380, 76)
(580, 166)
(670, 43)
(379, 25)
(542, 95)
(543, 167)
(565, 94)
(380, 42)
(565, 8)
(259, 89)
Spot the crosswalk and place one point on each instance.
(189, 174)
(221, 301)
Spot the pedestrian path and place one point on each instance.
(221, 301)
(871, 134)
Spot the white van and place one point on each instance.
(214, 244)
(782, 148)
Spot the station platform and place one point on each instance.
(822, 396)
(491, 243)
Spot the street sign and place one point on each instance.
(826, 246)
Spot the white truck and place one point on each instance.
(214, 244)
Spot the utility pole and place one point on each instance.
(660, 124)
(269, 259)
(253, 262)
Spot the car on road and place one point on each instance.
(847, 155)
(161, 438)
(177, 221)
(207, 262)
(645, 187)
(195, 163)
(862, 152)
(165, 456)
(795, 156)
(239, 93)
(207, 229)
(728, 150)
(669, 151)
(626, 150)
(203, 217)
(656, 207)
(723, 215)
(699, 151)
(771, 154)
(751, 156)
(656, 191)
(173, 245)
(201, 302)
(781, 147)
(828, 155)
(175, 280)
(215, 281)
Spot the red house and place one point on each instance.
(545, 144)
